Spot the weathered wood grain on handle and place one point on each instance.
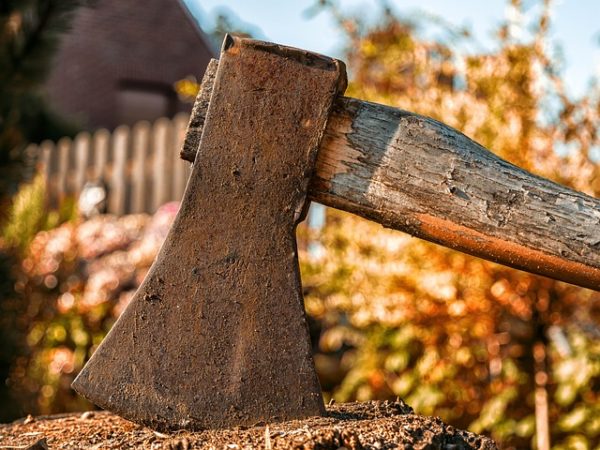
(417, 175)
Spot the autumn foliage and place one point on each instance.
(481, 345)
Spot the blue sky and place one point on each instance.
(575, 24)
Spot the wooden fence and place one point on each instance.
(139, 166)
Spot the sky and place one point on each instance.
(576, 27)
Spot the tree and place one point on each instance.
(486, 347)
(29, 33)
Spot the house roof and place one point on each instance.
(115, 45)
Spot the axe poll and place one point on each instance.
(216, 334)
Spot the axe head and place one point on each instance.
(216, 335)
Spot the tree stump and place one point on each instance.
(351, 426)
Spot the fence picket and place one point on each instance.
(161, 166)
(116, 190)
(64, 148)
(101, 142)
(82, 147)
(45, 152)
(141, 142)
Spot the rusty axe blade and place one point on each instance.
(216, 335)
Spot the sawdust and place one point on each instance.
(352, 426)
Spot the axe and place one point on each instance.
(216, 335)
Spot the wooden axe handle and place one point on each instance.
(420, 176)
